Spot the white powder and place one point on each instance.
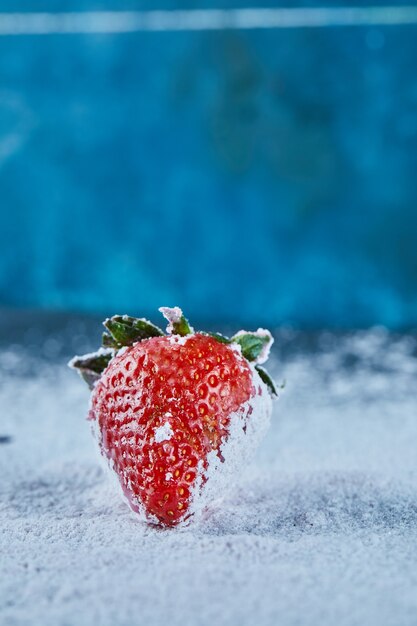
(322, 531)
(178, 340)
(163, 432)
(173, 315)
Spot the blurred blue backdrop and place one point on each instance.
(263, 176)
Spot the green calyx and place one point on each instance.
(125, 331)
(91, 366)
(265, 377)
(254, 344)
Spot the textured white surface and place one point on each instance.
(322, 531)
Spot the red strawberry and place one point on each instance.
(175, 412)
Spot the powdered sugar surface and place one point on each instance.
(321, 529)
(163, 432)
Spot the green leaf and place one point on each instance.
(126, 330)
(178, 324)
(219, 337)
(91, 366)
(107, 341)
(253, 344)
(265, 377)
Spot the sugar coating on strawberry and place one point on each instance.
(177, 415)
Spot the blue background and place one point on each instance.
(262, 177)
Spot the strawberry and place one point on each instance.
(175, 412)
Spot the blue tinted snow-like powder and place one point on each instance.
(322, 530)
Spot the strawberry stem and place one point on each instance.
(178, 324)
